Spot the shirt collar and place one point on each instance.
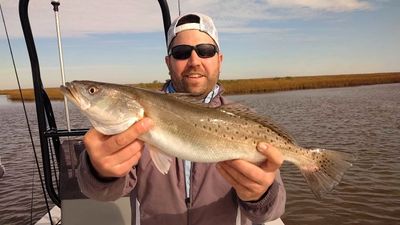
(169, 88)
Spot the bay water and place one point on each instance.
(364, 121)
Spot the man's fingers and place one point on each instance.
(113, 156)
(116, 142)
(245, 188)
(119, 163)
(126, 153)
(273, 155)
(225, 172)
(124, 167)
(248, 170)
(93, 134)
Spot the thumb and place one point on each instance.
(262, 147)
(274, 156)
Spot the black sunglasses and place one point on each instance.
(202, 50)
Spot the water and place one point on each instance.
(16, 155)
(16, 195)
(362, 120)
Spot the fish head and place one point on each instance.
(109, 107)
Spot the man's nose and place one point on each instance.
(194, 59)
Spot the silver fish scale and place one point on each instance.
(235, 129)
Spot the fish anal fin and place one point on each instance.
(160, 160)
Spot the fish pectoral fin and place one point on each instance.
(160, 160)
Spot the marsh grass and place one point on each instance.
(250, 86)
(28, 94)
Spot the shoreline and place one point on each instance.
(253, 86)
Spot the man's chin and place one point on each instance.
(197, 91)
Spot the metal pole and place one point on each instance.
(56, 4)
(179, 7)
(166, 17)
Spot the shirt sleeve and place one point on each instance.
(100, 189)
(270, 206)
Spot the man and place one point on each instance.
(231, 192)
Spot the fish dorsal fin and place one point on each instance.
(246, 112)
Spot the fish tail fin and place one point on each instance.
(325, 169)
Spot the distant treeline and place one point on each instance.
(250, 86)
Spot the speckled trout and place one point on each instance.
(189, 130)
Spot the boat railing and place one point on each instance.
(49, 134)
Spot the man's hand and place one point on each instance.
(251, 181)
(115, 155)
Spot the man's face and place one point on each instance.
(194, 75)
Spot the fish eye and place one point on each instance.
(92, 90)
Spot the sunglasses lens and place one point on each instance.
(181, 51)
(206, 50)
(202, 50)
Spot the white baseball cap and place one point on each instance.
(192, 21)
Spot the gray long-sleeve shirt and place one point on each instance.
(163, 198)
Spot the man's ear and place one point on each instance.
(221, 57)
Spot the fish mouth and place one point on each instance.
(66, 91)
(71, 93)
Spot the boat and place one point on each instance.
(65, 145)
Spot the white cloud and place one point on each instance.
(81, 18)
(326, 5)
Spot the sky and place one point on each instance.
(123, 41)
